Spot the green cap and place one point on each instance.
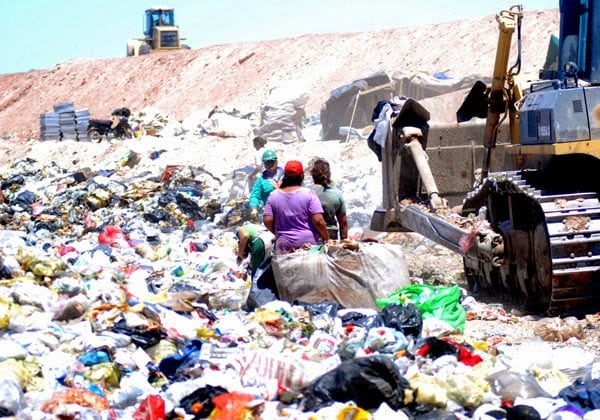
(269, 155)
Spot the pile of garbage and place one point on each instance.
(121, 297)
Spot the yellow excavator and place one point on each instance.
(528, 224)
(160, 33)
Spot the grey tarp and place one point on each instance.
(352, 105)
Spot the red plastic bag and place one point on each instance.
(65, 249)
(231, 406)
(152, 408)
(114, 237)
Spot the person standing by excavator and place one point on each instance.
(265, 185)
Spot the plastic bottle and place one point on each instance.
(178, 271)
(94, 357)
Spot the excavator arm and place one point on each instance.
(501, 99)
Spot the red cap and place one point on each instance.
(293, 168)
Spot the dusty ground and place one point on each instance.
(239, 76)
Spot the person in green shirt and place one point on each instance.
(256, 241)
(331, 198)
(266, 184)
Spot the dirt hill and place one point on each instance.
(240, 75)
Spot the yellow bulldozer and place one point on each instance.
(530, 228)
(160, 33)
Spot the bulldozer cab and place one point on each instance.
(157, 16)
(160, 33)
(160, 29)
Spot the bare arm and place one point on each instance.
(343, 223)
(241, 251)
(115, 121)
(269, 223)
(319, 223)
(255, 171)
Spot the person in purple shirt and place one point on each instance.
(294, 213)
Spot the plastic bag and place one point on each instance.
(7, 310)
(404, 318)
(152, 408)
(328, 308)
(557, 329)
(11, 398)
(263, 288)
(464, 388)
(583, 394)
(434, 348)
(510, 385)
(78, 396)
(385, 340)
(354, 340)
(232, 405)
(428, 391)
(362, 320)
(113, 236)
(368, 381)
(200, 401)
(433, 302)
(174, 364)
(141, 336)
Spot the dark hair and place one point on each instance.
(259, 142)
(321, 173)
(289, 181)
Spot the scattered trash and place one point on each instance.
(121, 297)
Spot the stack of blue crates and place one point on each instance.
(49, 126)
(82, 120)
(66, 119)
(64, 123)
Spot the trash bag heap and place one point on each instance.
(120, 298)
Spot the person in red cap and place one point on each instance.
(294, 213)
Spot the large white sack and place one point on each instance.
(354, 279)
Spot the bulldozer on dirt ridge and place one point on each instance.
(160, 33)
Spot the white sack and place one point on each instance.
(354, 279)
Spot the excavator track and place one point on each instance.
(551, 259)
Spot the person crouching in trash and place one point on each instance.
(256, 241)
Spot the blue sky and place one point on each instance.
(38, 34)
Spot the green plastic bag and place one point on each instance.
(433, 302)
